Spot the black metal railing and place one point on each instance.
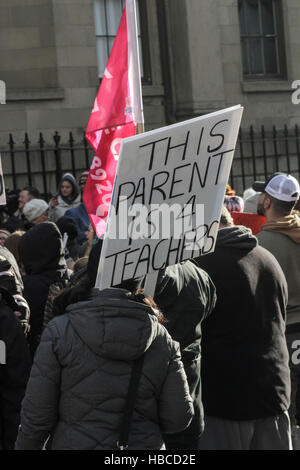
(259, 153)
(41, 164)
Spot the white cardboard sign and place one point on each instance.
(168, 193)
(2, 187)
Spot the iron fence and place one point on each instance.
(259, 153)
(41, 164)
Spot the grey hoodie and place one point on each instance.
(56, 212)
(80, 378)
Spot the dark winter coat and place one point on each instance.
(186, 295)
(42, 254)
(245, 372)
(80, 377)
(80, 216)
(15, 366)
(11, 280)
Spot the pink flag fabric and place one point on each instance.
(117, 111)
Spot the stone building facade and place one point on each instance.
(199, 56)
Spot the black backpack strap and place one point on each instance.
(130, 401)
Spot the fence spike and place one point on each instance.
(26, 141)
(56, 138)
(41, 140)
(71, 139)
(11, 141)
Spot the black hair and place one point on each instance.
(71, 295)
(34, 192)
(82, 292)
(139, 296)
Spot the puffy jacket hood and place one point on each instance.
(112, 325)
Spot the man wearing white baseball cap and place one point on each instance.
(281, 236)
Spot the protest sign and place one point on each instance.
(168, 192)
(2, 187)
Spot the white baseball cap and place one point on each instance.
(280, 186)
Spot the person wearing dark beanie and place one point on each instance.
(42, 256)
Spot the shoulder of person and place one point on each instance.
(56, 333)
(269, 261)
(60, 201)
(268, 238)
(165, 341)
(58, 325)
(77, 201)
(73, 211)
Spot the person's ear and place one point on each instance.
(267, 203)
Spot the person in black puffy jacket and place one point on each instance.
(79, 381)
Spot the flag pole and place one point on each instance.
(140, 128)
(151, 279)
(135, 82)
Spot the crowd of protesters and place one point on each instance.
(217, 347)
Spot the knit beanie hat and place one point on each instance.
(68, 226)
(234, 203)
(6, 232)
(34, 209)
(83, 177)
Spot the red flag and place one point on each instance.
(117, 111)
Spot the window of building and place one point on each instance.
(107, 14)
(262, 39)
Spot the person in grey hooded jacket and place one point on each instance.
(79, 381)
(68, 197)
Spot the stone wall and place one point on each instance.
(48, 62)
(208, 66)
